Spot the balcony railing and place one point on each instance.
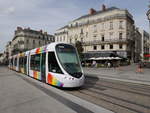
(106, 41)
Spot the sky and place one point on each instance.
(50, 15)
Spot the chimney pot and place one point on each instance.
(19, 28)
(92, 11)
(41, 31)
(103, 7)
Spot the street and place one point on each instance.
(22, 94)
(120, 97)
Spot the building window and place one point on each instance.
(103, 38)
(86, 34)
(120, 46)
(39, 42)
(95, 28)
(120, 35)
(94, 47)
(27, 41)
(33, 41)
(81, 39)
(75, 39)
(120, 24)
(111, 46)
(60, 39)
(70, 40)
(111, 25)
(102, 26)
(111, 35)
(81, 31)
(64, 38)
(95, 37)
(76, 24)
(102, 47)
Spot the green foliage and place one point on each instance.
(79, 47)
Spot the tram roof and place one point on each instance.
(49, 47)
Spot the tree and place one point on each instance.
(79, 47)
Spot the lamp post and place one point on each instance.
(148, 16)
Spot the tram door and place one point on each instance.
(43, 69)
(25, 64)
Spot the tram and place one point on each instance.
(56, 64)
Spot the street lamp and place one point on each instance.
(148, 16)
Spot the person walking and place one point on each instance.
(108, 65)
(140, 70)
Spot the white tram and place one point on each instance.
(57, 64)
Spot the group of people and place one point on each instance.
(107, 64)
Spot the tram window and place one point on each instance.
(35, 62)
(15, 62)
(21, 62)
(53, 64)
(25, 60)
(12, 61)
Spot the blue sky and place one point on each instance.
(50, 15)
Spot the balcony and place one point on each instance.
(106, 41)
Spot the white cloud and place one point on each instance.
(50, 14)
(6, 11)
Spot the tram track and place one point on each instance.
(99, 91)
(130, 87)
(121, 89)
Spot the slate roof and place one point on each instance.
(97, 12)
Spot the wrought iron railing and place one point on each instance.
(96, 42)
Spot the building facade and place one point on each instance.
(110, 30)
(26, 39)
(145, 44)
(137, 45)
(8, 51)
(61, 35)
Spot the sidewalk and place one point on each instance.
(22, 94)
(125, 73)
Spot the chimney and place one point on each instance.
(41, 31)
(19, 28)
(92, 11)
(45, 33)
(103, 7)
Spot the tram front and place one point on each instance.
(70, 64)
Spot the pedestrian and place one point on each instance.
(140, 70)
(108, 65)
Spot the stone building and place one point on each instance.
(145, 44)
(137, 45)
(26, 39)
(7, 51)
(110, 30)
(61, 35)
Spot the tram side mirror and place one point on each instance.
(54, 70)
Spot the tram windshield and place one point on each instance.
(68, 58)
